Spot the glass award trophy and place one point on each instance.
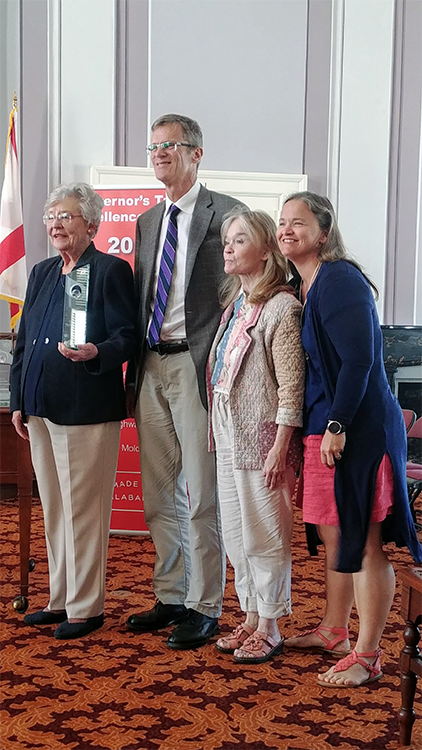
(75, 307)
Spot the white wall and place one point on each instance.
(364, 136)
(239, 68)
(87, 86)
(326, 87)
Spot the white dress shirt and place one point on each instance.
(174, 328)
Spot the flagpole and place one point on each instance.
(14, 111)
(12, 114)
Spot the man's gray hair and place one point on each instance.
(191, 129)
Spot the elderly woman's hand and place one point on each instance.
(83, 353)
(19, 426)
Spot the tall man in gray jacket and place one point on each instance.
(178, 268)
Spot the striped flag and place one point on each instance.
(12, 247)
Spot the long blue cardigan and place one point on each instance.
(342, 315)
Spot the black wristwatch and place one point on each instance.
(336, 428)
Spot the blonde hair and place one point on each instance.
(260, 228)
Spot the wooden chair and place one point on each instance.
(414, 466)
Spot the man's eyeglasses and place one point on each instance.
(64, 217)
(167, 145)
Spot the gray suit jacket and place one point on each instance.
(204, 272)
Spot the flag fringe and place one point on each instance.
(14, 319)
(11, 300)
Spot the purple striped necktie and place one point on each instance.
(164, 277)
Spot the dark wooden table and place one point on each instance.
(410, 657)
(16, 468)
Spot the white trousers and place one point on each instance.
(75, 466)
(257, 525)
(173, 438)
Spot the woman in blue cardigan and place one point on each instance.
(355, 442)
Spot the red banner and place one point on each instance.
(116, 236)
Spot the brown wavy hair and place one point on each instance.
(333, 248)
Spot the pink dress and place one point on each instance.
(319, 503)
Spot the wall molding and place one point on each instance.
(403, 241)
(54, 92)
(262, 190)
(335, 104)
(120, 82)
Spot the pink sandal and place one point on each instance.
(374, 670)
(229, 643)
(340, 634)
(259, 647)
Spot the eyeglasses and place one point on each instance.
(167, 145)
(64, 217)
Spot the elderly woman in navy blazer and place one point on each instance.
(355, 442)
(69, 403)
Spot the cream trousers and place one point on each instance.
(257, 525)
(75, 466)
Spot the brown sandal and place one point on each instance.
(228, 644)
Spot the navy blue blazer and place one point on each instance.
(341, 312)
(80, 392)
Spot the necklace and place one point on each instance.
(313, 277)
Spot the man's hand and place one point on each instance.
(130, 400)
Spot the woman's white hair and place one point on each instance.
(90, 203)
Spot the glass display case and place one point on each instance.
(7, 341)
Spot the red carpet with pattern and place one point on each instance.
(115, 690)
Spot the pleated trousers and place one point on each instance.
(75, 466)
(185, 527)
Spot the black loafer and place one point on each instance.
(195, 631)
(68, 630)
(45, 617)
(160, 616)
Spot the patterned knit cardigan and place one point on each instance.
(268, 380)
